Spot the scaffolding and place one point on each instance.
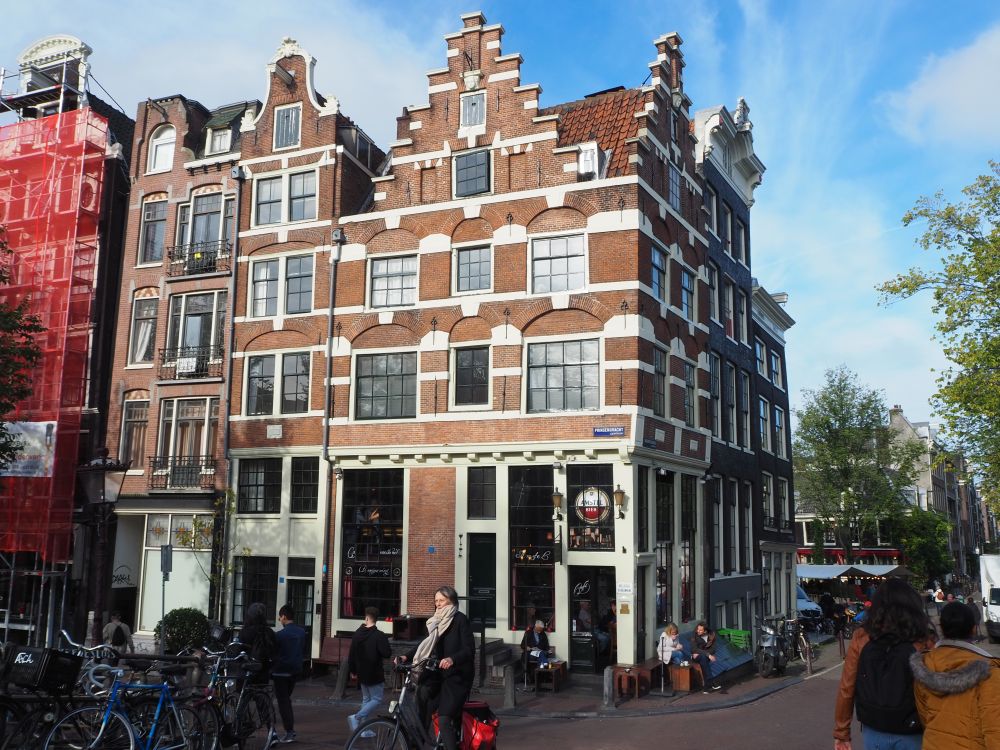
(51, 179)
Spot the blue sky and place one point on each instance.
(858, 109)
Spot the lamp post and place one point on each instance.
(102, 480)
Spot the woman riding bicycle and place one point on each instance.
(447, 688)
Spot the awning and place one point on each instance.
(886, 571)
(829, 572)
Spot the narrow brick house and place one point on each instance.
(520, 371)
(302, 163)
(170, 364)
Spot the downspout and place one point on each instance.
(238, 175)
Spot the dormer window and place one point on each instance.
(287, 122)
(218, 140)
(590, 162)
(473, 109)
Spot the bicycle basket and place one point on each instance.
(43, 668)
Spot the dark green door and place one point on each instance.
(483, 579)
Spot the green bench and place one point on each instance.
(738, 638)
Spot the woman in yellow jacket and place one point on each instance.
(957, 687)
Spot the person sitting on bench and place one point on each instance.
(535, 644)
(669, 648)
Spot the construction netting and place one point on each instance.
(51, 175)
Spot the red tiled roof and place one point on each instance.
(607, 118)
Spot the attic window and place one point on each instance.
(218, 140)
(591, 162)
(286, 126)
(473, 109)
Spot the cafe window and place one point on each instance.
(591, 509)
(372, 542)
(531, 537)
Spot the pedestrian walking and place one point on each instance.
(259, 642)
(369, 649)
(957, 687)
(876, 681)
(117, 634)
(287, 667)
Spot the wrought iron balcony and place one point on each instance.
(786, 525)
(182, 472)
(191, 362)
(198, 257)
(771, 522)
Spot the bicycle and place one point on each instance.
(149, 722)
(403, 729)
(798, 644)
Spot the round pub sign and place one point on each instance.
(592, 505)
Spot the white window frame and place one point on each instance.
(764, 423)
(717, 534)
(657, 252)
(131, 361)
(689, 297)
(123, 451)
(712, 201)
(530, 281)
(732, 383)
(740, 240)
(733, 530)
(729, 307)
(286, 197)
(777, 370)
(454, 171)
(369, 270)
(781, 501)
(661, 380)
(282, 282)
(767, 498)
(167, 451)
(745, 502)
(278, 386)
(743, 310)
(780, 437)
(456, 250)
(274, 134)
(715, 392)
(354, 386)
(726, 228)
(744, 409)
(760, 355)
(713, 292)
(690, 394)
(158, 140)
(210, 138)
(674, 188)
(453, 376)
(186, 239)
(144, 225)
(185, 296)
(601, 360)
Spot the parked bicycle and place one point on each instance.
(798, 645)
(403, 729)
(770, 655)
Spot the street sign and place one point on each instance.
(166, 560)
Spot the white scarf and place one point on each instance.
(438, 624)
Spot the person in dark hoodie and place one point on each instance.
(369, 647)
(287, 666)
(957, 687)
(258, 641)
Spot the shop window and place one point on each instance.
(255, 579)
(371, 542)
(531, 537)
(591, 509)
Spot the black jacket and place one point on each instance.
(532, 640)
(458, 644)
(369, 646)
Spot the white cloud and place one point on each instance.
(954, 98)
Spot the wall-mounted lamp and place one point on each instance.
(557, 498)
(338, 472)
(460, 544)
(619, 495)
(557, 465)
(662, 471)
(705, 478)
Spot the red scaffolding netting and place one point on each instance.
(51, 175)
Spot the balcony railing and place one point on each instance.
(198, 258)
(771, 522)
(191, 362)
(786, 525)
(182, 472)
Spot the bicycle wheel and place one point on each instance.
(379, 734)
(211, 724)
(10, 715)
(85, 729)
(32, 727)
(255, 721)
(765, 664)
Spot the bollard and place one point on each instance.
(509, 696)
(609, 687)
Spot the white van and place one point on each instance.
(810, 613)
(989, 573)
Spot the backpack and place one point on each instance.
(883, 690)
(118, 637)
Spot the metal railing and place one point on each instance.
(190, 362)
(771, 522)
(198, 257)
(182, 472)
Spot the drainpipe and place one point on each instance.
(239, 176)
(337, 240)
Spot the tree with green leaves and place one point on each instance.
(923, 537)
(965, 286)
(851, 467)
(19, 355)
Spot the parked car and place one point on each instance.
(810, 614)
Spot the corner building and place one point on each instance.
(519, 379)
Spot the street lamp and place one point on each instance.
(102, 480)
